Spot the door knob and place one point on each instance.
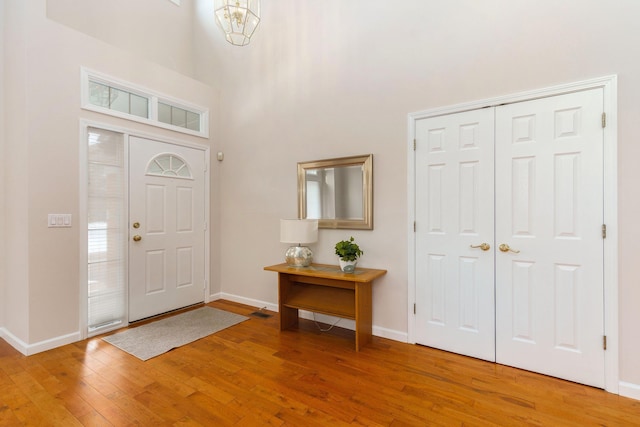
(137, 238)
(505, 248)
(136, 225)
(483, 246)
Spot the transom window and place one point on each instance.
(107, 95)
(177, 116)
(102, 95)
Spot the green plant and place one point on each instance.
(347, 250)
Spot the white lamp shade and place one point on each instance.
(299, 231)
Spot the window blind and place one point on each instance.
(107, 227)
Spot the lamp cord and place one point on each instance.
(320, 328)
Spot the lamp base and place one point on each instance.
(298, 256)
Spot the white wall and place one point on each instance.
(15, 301)
(2, 156)
(337, 78)
(157, 30)
(42, 160)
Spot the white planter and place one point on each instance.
(348, 266)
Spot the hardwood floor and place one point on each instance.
(253, 375)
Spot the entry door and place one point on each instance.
(454, 225)
(549, 211)
(547, 244)
(166, 227)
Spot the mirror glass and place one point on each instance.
(337, 192)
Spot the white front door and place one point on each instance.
(547, 242)
(454, 217)
(549, 211)
(166, 227)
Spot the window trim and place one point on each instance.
(87, 75)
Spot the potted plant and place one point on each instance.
(348, 253)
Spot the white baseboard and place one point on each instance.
(213, 297)
(247, 301)
(391, 334)
(30, 349)
(629, 390)
(13, 341)
(330, 320)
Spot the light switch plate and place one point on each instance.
(59, 220)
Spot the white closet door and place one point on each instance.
(549, 211)
(454, 211)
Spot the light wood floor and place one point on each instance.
(253, 375)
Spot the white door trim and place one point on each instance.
(609, 86)
(82, 211)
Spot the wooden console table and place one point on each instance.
(325, 289)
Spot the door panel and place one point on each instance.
(454, 211)
(166, 265)
(549, 198)
(546, 241)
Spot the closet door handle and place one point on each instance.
(505, 248)
(483, 246)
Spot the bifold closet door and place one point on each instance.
(454, 224)
(544, 260)
(549, 211)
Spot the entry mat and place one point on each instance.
(153, 339)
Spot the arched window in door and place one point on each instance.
(169, 165)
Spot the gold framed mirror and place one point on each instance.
(337, 192)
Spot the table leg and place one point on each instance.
(364, 316)
(288, 315)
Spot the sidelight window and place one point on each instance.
(106, 207)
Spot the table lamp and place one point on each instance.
(298, 231)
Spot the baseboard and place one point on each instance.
(39, 347)
(13, 341)
(247, 301)
(390, 334)
(330, 320)
(213, 297)
(629, 390)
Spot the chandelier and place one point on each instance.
(238, 19)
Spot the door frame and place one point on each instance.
(610, 203)
(83, 208)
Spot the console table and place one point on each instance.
(325, 289)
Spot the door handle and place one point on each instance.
(137, 238)
(483, 246)
(505, 248)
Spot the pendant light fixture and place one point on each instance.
(238, 19)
